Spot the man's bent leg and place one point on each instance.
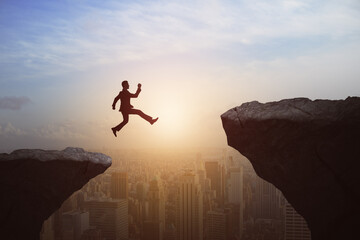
(123, 123)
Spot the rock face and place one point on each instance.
(310, 150)
(34, 183)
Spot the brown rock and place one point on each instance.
(34, 184)
(310, 150)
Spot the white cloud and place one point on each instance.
(10, 130)
(324, 74)
(65, 131)
(140, 31)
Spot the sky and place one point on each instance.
(62, 63)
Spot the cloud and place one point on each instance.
(59, 131)
(13, 103)
(131, 31)
(50, 135)
(10, 130)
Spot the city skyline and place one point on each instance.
(154, 197)
(62, 64)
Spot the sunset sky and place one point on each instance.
(62, 63)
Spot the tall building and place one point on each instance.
(141, 191)
(296, 227)
(119, 185)
(74, 223)
(248, 199)
(190, 208)
(92, 234)
(201, 171)
(267, 200)
(236, 185)
(215, 173)
(170, 232)
(155, 225)
(47, 230)
(110, 216)
(216, 225)
(236, 182)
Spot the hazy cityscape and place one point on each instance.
(153, 195)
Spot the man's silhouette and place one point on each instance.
(126, 108)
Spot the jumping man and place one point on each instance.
(126, 108)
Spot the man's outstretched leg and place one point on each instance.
(122, 124)
(143, 115)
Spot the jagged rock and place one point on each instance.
(34, 183)
(310, 150)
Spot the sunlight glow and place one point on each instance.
(173, 120)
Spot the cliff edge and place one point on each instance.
(310, 150)
(34, 184)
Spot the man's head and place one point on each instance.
(125, 84)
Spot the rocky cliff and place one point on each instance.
(34, 183)
(310, 150)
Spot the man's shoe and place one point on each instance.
(114, 131)
(153, 121)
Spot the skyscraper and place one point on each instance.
(215, 173)
(155, 225)
(141, 191)
(267, 200)
(47, 230)
(236, 185)
(201, 171)
(236, 194)
(74, 223)
(114, 224)
(190, 208)
(119, 185)
(216, 225)
(110, 216)
(295, 226)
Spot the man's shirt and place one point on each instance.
(125, 96)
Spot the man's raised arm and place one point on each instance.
(135, 95)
